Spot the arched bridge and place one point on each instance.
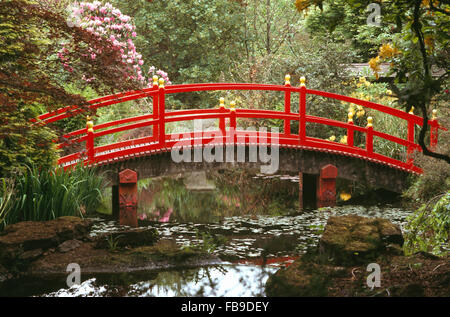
(159, 153)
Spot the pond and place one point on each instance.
(251, 245)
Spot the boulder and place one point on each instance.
(128, 238)
(25, 241)
(69, 245)
(351, 240)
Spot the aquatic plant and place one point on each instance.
(113, 242)
(41, 194)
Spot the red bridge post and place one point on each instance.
(302, 111)
(410, 137)
(287, 105)
(233, 123)
(326, 186)
(128, 198)
(162, 108)
(90, 140)
(222, 120)
(350, 130)
(369, 136)
(434, 128)
(155, 109)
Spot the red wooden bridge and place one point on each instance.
(160, 141)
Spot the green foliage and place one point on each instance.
(192, 39)
(113, 242)
(435, 180)
(6, 195)
(209, 242)
(346, 22)
(429, 228)
(45, 194)
(23, 143)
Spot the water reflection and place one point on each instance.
(221, 281)
(210, 197)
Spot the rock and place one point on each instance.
(4, 275)
(351, 240)
(25, 241)
(128, 238)
(69, 245)
(31, 255)
(300, 279)
(409, 290)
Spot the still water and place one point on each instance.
(244, 219)
(280, 238)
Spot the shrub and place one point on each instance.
(42, 194)
(436, 177)
(428, 229)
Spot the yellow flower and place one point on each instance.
(332, 138)
(302, 4)
(360, 113)
(429, 42)
(343, 140)
(345, 196)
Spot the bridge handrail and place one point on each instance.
(160, 117)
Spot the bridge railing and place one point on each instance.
(160, 141)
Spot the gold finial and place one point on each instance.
(350, 117)
(287, 79)
(89, 124)
(302, 81)
(434, 114)
(233, 105)
(369, 122)
(155, 80)
(222, 102)
(161, 83)
(411, 111)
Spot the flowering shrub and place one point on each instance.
(109, 23)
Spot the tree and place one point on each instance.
(32, 77)
(194, 39)
(420, 44)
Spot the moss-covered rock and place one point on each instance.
(350, 240)
(300, 279)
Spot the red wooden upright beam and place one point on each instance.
(233, 123)
(155, 109)
(369, 137)
(222, 120)
(302, 112)
(434, 129)
(410, 138)
(162, 111)
(350, 129)
(90, 150)
(287, 105)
